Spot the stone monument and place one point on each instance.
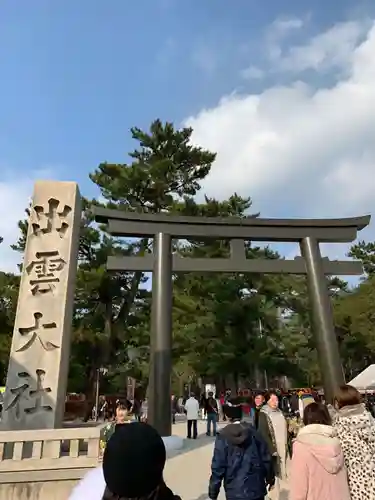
(39, 356)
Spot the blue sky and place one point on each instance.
(76, 75)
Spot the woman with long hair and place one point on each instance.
(317, 467)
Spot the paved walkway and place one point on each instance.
(188, 471)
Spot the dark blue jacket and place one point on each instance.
(242, 461)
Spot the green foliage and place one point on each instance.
(165, 167)
(22, 226)
(355, 320)
(217, 318)
(9, 284)
(366, 253)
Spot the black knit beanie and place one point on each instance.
(134, 460)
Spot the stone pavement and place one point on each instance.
(187, 471)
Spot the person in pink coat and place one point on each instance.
(317, 469)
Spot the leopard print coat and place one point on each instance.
(356, 430)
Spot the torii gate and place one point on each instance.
(309, 233)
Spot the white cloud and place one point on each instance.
(282, 27)
(278, 32)
(252, 73)
(334, 48)
(15, 195)
(297, 150)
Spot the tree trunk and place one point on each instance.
(109, 335)
(127, 305)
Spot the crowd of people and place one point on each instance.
(331, 455)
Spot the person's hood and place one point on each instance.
(352, 411)
(236, 433)
(323, 443)
(357, 419)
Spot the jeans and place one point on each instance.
(192, 423)
(211, 419)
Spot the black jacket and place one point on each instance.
(210, 405)
(256, 416)
(241, 460)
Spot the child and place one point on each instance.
(241, 460)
